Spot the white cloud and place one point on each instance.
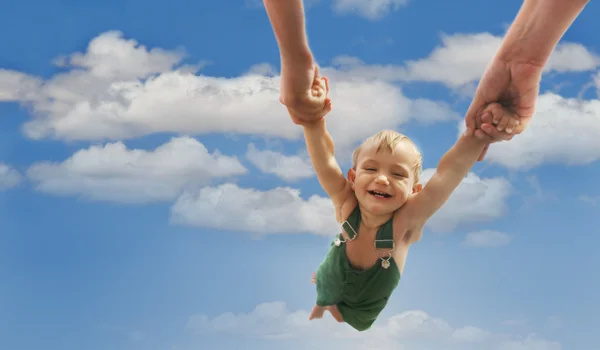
(409, 330)
(572, 57)
(262, 69)
(289, 168)
(487, 238)
(370, 9)
(276, 211)
(114, 173)
(17, 86)
(283, 210)
(475, 200)
(9, 177)
(119, 89)
(563, 131)
(460, 61)
(429, 112)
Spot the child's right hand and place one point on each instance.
(305, 94)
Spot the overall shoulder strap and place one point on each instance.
(385, 236)
(352, 223)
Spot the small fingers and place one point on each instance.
(503, 123)
(486, 118)
(497, 116)
(320, 87)
(493, 132)
(512, 125)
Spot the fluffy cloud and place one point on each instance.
(9, 177)
(283, 210)
(114, 173)
(460, 60)
(280, 210)
(487, 238)
(409, 330)
(119, 89)
(17, 86)
(563, 131)
(370, 9)
(289, 168)
(475, 200)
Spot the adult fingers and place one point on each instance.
(474, 110)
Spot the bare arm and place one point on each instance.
(321, 150)
(537, 29)
(451, 170)
(287, 20)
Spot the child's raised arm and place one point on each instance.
(451, 170)
(321, 150)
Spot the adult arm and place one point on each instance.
(287, 20)
(537, 29)
(513, 77)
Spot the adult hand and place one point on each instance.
(304, 93)
(514, 85)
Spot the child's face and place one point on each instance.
(388, 173)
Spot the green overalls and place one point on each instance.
(360, 295)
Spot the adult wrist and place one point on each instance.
(297, 57)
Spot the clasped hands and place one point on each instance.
(513, 85)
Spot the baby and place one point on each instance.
(381, 204)
(382, 208)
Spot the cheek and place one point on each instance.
(405, 187)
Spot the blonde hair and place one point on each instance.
(390, 139)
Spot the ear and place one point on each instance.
(417, 188)
(352, 177)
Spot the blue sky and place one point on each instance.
(154, 194)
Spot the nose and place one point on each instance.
(382, 179)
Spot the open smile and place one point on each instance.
(380, 194)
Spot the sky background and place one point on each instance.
(154, 194)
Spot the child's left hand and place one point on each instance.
(495, 116)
